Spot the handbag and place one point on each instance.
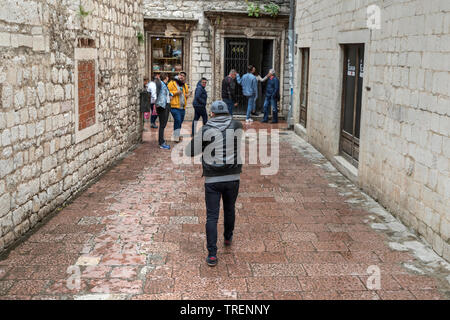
(146, 115)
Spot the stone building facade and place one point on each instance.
(207, 29)
(373, 94)
(69, 81)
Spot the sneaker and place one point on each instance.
(154, 126)
(164, 146)
(249, 120)
(211, 261)
(228, 243)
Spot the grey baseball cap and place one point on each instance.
(219, 107)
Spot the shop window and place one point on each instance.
(167, 55)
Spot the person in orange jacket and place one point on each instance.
(180, 91)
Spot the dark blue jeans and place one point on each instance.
(199, 112)
(230, 105)
(178, 118)
(228, 191)
(251, 107)
(273, 103)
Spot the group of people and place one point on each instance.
(249, 84)
(163, 96)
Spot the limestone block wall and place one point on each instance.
(201, 40)
(44, 160)
(405, 119)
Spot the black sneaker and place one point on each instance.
(211, 261)
(227, 243)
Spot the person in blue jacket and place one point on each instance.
(249, 85)
(200, 99)
(272, 97)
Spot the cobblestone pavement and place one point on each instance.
(305, 233)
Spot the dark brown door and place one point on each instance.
(236, 57)
(304, 86)
(351, 101)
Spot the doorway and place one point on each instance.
(239, 54)
(304, 86)
(351, 101)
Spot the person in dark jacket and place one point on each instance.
(272, 97)
(229, 91)
(222, 166)
(144, 101)
(200, 99)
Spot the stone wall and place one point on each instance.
(405, 126)
(201, 39)
(45, 155)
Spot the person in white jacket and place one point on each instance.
(151, 88)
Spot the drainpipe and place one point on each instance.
(290, 120)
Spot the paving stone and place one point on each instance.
(139, 233)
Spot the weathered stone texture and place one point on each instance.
(41, 165)
(405, 124)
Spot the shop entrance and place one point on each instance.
(351, 101)
(241, 52)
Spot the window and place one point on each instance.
(167, 55)
(86, 91)
(86, 94)
(304, 86)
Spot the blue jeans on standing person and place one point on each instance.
(228, 191)
(199, 112)
(178, 118)
(273, 103)
(230, 105)
(251, 105)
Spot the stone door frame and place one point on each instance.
(238, 25)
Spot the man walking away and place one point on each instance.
(155, 87)
(221, 169)
(163, 109)
(229, 91)
(272, 97)
(250, 90)
(200, 99)
(180, 92)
